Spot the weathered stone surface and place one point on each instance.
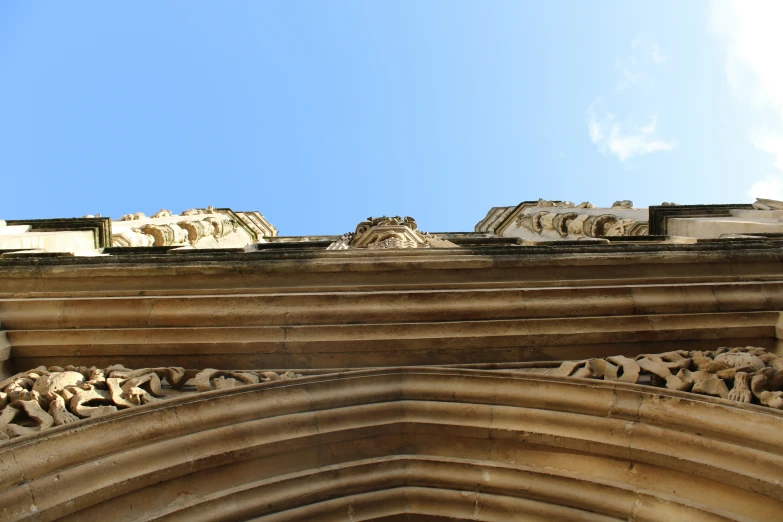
(690, 433)
(456, 443)
(389, 233)
(709, 373)
(74, 393)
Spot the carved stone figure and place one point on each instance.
(747, 375)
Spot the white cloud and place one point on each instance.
(656, 53)
(753, 36)
(628, 77)
(631, 68)
(768, 188)
(624, 140)
(771, 143)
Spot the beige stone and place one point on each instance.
(560, 363)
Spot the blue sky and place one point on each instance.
(320, 114)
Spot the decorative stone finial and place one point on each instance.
(389, 232)
(161, 213)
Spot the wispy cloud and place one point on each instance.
(626, 138)
(633, 66)
(623, 139)
(753, 39)
(770, 187)
(656, 53)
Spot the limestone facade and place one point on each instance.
(562, 362)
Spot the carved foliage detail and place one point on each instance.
(749, 375)
(45, 397)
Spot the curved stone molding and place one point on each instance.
(537, 222)
(45, 397)
(597, 226)
(389, 233)
(459, 444)
(561, 221)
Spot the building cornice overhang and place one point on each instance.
(505, 248)
(318, 309)
(659, 215)
(547, 445)
(99, 226)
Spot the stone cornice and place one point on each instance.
(660, 214)
(99, 226)
(315, 308)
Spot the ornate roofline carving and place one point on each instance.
(389, 233)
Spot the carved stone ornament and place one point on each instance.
(768, 204)
(748, 375)
(132, 238)
(622, 227)
(45, 397)
(562, 204)
(389, 233)
(567, 219)
(198, 211)
(161, 214)
(165, 235)
(133, 217)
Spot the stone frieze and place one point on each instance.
(750, 375)
(42, 398)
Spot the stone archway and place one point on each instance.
(407, 442)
